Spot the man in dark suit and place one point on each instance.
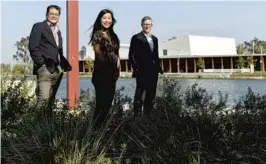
(45, 46)
(144, 58)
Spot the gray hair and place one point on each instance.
(145, 18)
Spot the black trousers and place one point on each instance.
(145, 94)
(105, 90)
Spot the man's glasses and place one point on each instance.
(147, 24)
(54, 14)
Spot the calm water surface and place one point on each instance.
(235, 88)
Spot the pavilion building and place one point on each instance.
(180, 55)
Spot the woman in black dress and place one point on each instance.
(106, 65)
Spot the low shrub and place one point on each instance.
(187, 128)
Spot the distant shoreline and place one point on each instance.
(174, 75)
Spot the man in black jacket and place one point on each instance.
(45, 46)
(144, 58)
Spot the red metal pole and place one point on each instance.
(72, 51)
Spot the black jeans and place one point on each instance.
(145, 94)
(105, 90)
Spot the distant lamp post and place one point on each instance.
(253, 47)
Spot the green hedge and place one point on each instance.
(246, 74)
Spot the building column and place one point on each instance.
(231, 63)
(83, 67)
(262, 63)
(212, 63)
(195, 65)
(204, 66)
(126, 66)
(170, 65)
(72, 16)
(162, 65)
(120, 67)
(186, 66)
(178, 64)
(222, 62)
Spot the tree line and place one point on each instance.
(17, 69)
(255, 45)
(247, 49)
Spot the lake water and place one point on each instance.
(235, 88)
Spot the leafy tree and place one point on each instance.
(241, 62)
(20, 69)
(259, 45)
(201, 63)
(250, 60)
(5, 68)
(247, 46)
(241, 49)
(22, 54)
(82, 52)
(89, 64)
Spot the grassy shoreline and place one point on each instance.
(240, 76)
(185, 127)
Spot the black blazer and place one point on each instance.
(143, 60)
(43, 48)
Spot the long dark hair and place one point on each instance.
(98, 26)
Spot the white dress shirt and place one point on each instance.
(150, 41)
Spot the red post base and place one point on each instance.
(72, 52)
